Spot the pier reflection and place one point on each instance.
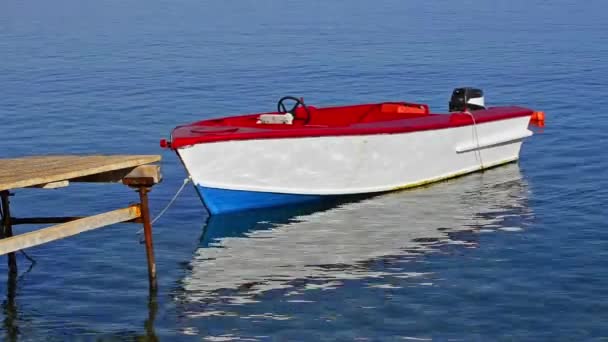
(9, 308)
(150, 333)
(245, 255)
(13, 317)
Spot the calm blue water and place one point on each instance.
(516, 253)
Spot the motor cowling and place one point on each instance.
(467, 98)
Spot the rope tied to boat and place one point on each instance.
(476, 137)
(162, 212)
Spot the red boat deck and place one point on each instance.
(366, 119)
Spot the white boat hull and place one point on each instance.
(345, 165)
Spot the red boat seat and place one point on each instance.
(348, 115)
(330, 117)
(301, 114)
(403, 108)
(395, 111)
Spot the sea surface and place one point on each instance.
(519, 252)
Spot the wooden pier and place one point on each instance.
(49, 172)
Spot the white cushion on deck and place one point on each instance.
(285, 119)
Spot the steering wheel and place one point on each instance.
(298, 102)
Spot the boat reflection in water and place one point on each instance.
(244, 255)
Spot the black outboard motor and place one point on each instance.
(464, 99)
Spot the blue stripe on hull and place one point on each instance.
(219, 201)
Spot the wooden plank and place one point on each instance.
(116, 176)
(53, 185)
(31, 171)
(64, 230)
(145, 175)
(146, 171)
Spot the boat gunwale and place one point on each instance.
(182, 136)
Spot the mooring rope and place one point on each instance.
(32, 260)
(476, 136)
(162, 212)
(186, 181)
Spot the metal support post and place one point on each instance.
(145, 216)
(7, 229)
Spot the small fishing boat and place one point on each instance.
(303, 153)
